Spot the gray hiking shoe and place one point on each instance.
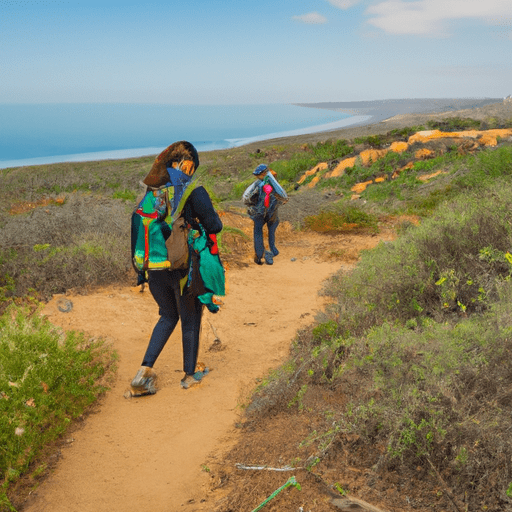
(269, 258)
(144, 383)
(191, 380)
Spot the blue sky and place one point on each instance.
(253, 51)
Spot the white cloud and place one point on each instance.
(431, 17)
(312, 17)
(343, 4)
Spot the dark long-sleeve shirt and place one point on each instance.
(199, 206)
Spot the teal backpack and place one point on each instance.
(152, 225)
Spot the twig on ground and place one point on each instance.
(264, 468)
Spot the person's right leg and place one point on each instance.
(160, 285)
(191, 310)
(259, 248)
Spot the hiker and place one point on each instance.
(176, 301)
(263, 198)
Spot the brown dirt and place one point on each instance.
(148, 453)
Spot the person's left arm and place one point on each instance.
(199, 206)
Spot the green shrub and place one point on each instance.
(372, 140)
(405, 132)
(453, 124)
(47, 378)
(126, 195)
(331, 150)
(342, 217)
(438, 267)
(239, 187)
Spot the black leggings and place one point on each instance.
(165, 288)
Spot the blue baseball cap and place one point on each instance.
(261, 168)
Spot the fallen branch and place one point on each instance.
(264, 468)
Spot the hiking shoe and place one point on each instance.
(258, 260)
(144, 383)
(269, 258)
(191, 380)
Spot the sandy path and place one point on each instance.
(147, 453)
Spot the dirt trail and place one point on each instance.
(147, 453)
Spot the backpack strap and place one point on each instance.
(186, 194)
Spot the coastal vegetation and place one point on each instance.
(409, 366)
(48, 379)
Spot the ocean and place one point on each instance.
(34, 134)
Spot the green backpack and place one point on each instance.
(161, 241)
(150, 230)
(153, 226)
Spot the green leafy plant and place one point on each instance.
(127, 195)
(373, 140)
(340, 489)
(47, 378)
(342, 218)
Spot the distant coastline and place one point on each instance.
(119, 154)
(39, 134)
(380, 110)
(357, 114)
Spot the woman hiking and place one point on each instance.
(175, 297)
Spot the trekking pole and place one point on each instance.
(217, 339)
(291, 481)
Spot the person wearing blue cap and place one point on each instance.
(263, 198)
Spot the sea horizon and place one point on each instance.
(55, 133)
(40, 134)
(120, 154)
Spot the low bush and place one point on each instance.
(451, 263)
(406, 132)
(454, 124)
(372, 140)
(47, 379)
(85, 241)
(342, 217)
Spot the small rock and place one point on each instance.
(354, 504)
(64, 305)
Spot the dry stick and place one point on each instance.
(449, 494)
(264, 468)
